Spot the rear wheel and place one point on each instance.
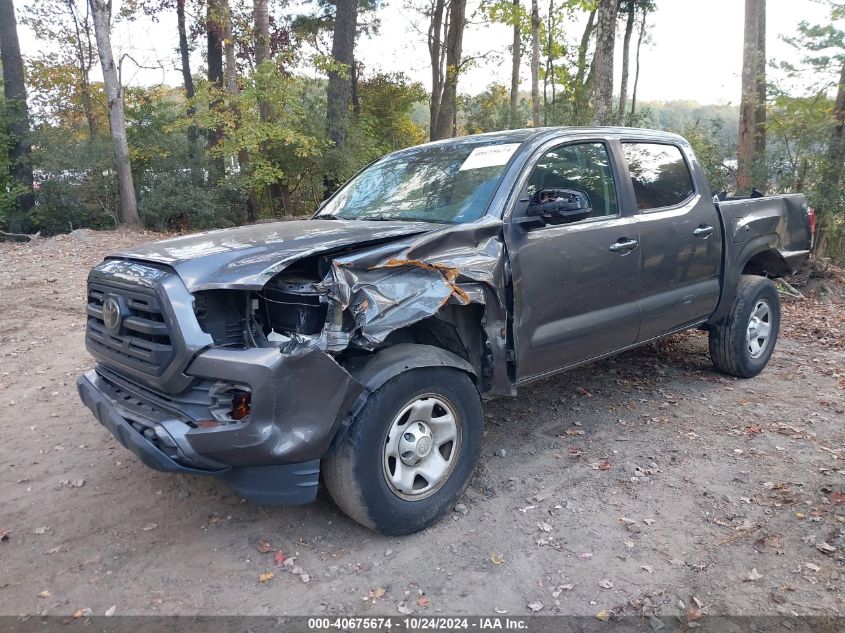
(410, 452)
(742, 344)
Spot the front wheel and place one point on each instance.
(742, 344)
(410, 452)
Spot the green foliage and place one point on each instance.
(71, 201)
(712, 151)
(175, 202)
(490, 110)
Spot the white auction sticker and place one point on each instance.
(489, 156)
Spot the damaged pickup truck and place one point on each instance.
(359, 344)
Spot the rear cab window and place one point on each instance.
(659, 174)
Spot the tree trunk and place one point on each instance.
(84, 60)
(603, 80)
(836, 150)
(438, 58)
(187, 79)
(637, 71)
(101, 12)
(214, 49)
(583, 80)
(229, 48)
(14, 90)
(832, 176)
(447, 114)
(746, 149)
(515, 63)
(550, 66)
(760, 108)
(535, 64)
(339, 90)
(261, 12)
(626, 54)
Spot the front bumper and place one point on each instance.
(298, 403)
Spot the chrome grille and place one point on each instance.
(142, 339)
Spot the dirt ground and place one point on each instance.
(644, 484)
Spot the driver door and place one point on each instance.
(575, 290)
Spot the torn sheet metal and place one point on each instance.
(393, 286)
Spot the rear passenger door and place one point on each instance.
(680, 237)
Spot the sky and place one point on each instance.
(694, 53)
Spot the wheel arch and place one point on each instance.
(759, 257)
(374, 370)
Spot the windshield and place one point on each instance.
(441, 183)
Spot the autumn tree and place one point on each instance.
(630, 9)
(751, 128)
(101, 11)
(603, 62)
(640, 39)
(445, 39)
(511, 13)
(61, 76)
(17, 113)
(535, 64)
(339, 92)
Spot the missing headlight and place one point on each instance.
(230, 402)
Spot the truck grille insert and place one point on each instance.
(127, 325)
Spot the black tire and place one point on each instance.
(355, 473)
(730, 349)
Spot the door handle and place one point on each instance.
(624, 245)
(703, 231)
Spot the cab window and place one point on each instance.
(584, 167)
(659, 174)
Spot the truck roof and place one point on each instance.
(541, 133)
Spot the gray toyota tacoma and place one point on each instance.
(359, 345)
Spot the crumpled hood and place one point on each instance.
(248, 256)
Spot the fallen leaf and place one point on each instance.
(535, 606)
(41, 530)
(423, 602)
(836, 498)
(545, 527)
(497, 559)
(694, 614)
(279, 557)
(585, 555)
(754, 575)
(265, 576)
(603, 615)
(82, 613)
(375, 594)
(825, 548)
(44, 594)
(263, 547)
(605, 465)
(78, 483)
(404, 610)
(812, 567)
(110, 611)
(605, 583)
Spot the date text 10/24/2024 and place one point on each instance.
(417, 623)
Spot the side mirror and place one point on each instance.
(557, 206)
